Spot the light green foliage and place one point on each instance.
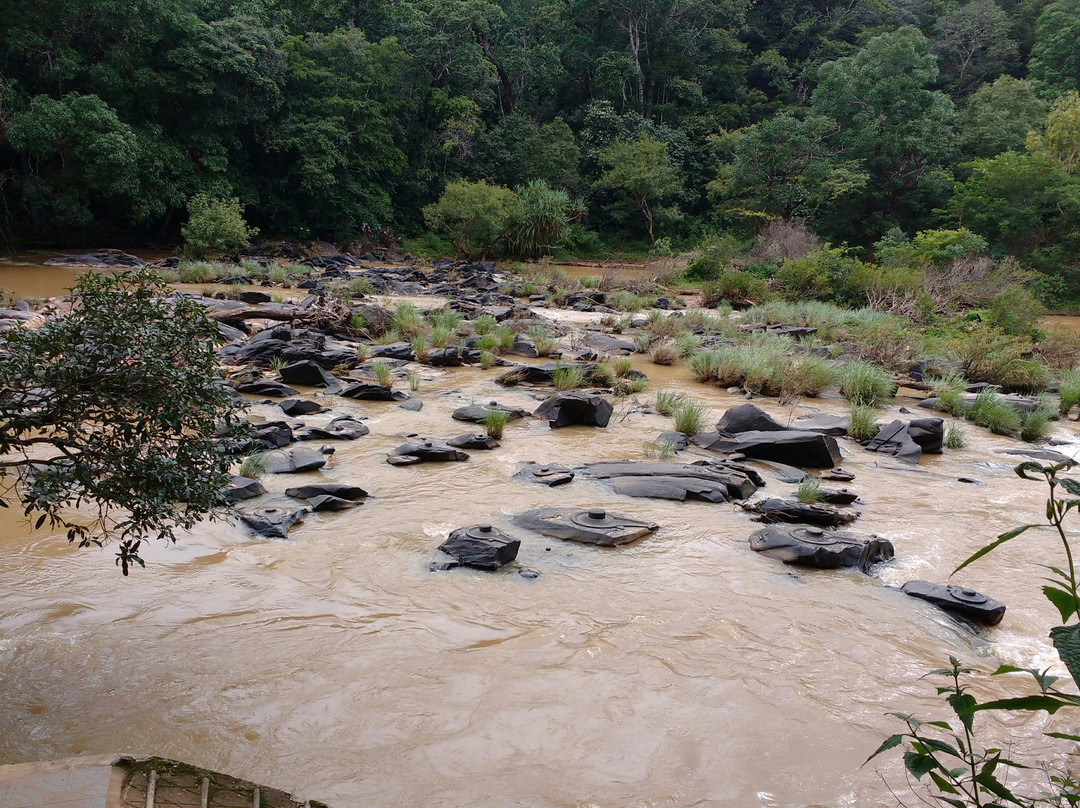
(1061, 138)
(568, 377)
(602, 377)
(622, 366)
(473, 215)
(215, 226)
(996, 358)
(955, 436)
(445, 318)
(407, 320)
(484, 324)
(809, 489)
(414, 380)
(689, 417)
(381, 372)
(1069, 390)
(662, 451)
(487, 359)
(737, 289)
(115, 407)
(253, 466)
(998, 117)
(863, 422)
(667, 401)
(544, 343)
(1036, 424)
(865, 384)
(993, 412)
(642, 174)
(541, 218)
(495, 422)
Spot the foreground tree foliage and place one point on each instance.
(108, 416)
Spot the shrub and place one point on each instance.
(568, 377)
(495, 422)
(1035, 425)
(805, 375)
(955, 436)
(990, 356)
(805, 279)
(866, 384)
(545, 344)
(667, 401)
(407, 320)
(991, 411)
(473, 215)
(809, 489)
(664, 353)
(215, 226)
(688, 344)
(1069, 390)
(739, 289)
(623, 365)
(380, 371)
(484, 324)
(863, 424)
(689, 417)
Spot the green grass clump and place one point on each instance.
(629, 385)
(420, 346)
(950, 389)
(380, 371)
(809, 489)
(414, 380)
(662, 450)
(863, 425)
(1035, 425)
(505, 338)
(441, 336)
(487, 359)
(1069, 391)
(602, 377)
(667, 401)
(484, 324)
(622, 366)
(687, 344)
(805, 375)
(545, 343)
(991, 411)
(866, 384)
(253, 466)
(568, 377)
(664, 353)
(495, 422)
(407, 320)
(689, 417)
(445, 318)
(955, 436)
(488, 342)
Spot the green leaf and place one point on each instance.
(994, 786)
(1063, 736)
(1029, 703)
(963, 705)
(943, 784)
(1067, 642)
(1044, 680)
(1062, 600)
(40, 521)
(941, 746)
(1004, 537)
(918, 764)
(1031, 465)
(889, 743)
(1070, 485)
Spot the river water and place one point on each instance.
(684, 670)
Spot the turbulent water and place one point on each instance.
(685, 670)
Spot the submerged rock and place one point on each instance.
(791, 511)
(425, 451)
(674, 481)
(572, 407)
(958, 600)
(814, 547)
(295, 460)
(344, 427)
(241, 488)
(481, 547)
(473, 441)
(265, 387)
(352, 493)
(475, 413)
(590, 526)
(272, 523)
(549, 474)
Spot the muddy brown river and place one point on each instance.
(684, 670)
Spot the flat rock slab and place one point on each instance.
(481, 547)
(475, 413)
(542, 374)
(473, 441)
(958, 600)
(835, 425)
(801, 449)
(241, 488)
(295, 460)
(300, 406)
(265, 387)
(373, 392)
(344, 427)
(340, 490)
(814, 547)
(331, 503)
(575, 407)
(549, 474)
(586, 525)
(425, 451)
(665, 480)
(790, 511)
(272, 523)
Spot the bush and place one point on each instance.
(955, 436)
(568, 377)
(991, 411)
(494, 422)
(1036, 425)
(865, 384)
(863, 423)
(215, 226)
(1069, 390)
(473, 215)
(664, 353)
(739, 289)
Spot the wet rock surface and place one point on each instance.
(801, 449)
(373, 392)
(241, 488)
(343, 427)
(473, 441)
(575, 407)
(549, 474)
(586, 525)
(814, 547)
(480, 547)
(958, 600)
(673, 481)
(793, 512)
(295, 460)
(475, 413)
(425, 451)
(272, 523)
(352, 493)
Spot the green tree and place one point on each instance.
(998, 117)
(1055, 56)
(541, 219)
(973, 45)
(109, 413)
(1061, 139)
(475, 216)
(215, 226)
(642, 175)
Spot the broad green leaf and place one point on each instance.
(1029, 703)
(1070, 485)
(1030, 465)
(941, 746)
(1004, 537)
(1067, 642)
(963, 705)
(918, 764)
(889, 743)
(1063, 601)
(943, 784)
(995, 787)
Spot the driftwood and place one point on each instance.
(237, 316)
(326, 314)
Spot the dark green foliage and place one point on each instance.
(112, 411)
(740, 289)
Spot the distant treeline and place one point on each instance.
(335, 118)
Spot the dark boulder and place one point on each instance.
(373, 392)
(541, 375)
(894, 439)
(344, 427)
(549, 474)
(265, 387)
(475, 413)
(299, 406)
(481, 547)
(272, 523)
(254, 296)
(272, 434)
(958, 600)
(308, 373)
(802, 449)
(837, 496)
(241, 488)
(790, 511)
(928, 433)
(814, 547)
(401, 351)
(573, 407)
(835, 425)
(678, 440)
(674, 480)
(340, 490)
(590, 526)
(101, 258)
(473, 441)
(606, 343)
(425, 451)
(295, 460)
(326, 502)
(412, 406)
(747, 418)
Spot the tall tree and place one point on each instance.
(641, 175)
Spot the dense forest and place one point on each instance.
(867, 120)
